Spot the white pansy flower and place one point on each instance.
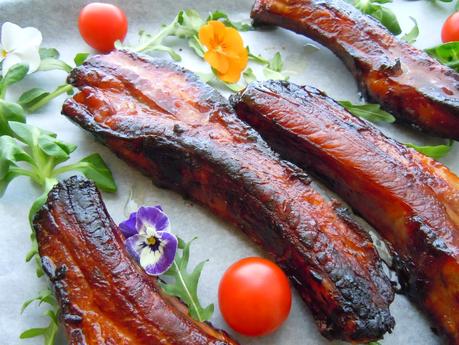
(19, 45)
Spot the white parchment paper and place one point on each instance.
(218, 241)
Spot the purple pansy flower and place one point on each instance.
(148, 239)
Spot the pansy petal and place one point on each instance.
(10, 32)
(134, 246)
(14, 37)
(159, 262)
(29, 56)
(232, 39)
(151, 218)
(217, 61)
(128, 226)
(206, 35)
(30, 36)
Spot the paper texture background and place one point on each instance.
(217, 241)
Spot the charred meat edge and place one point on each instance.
(104, 296)
(412, 200)
(404, 80)
(161, 119)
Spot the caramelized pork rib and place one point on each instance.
(412, 200)
(403, 79)
(164, 121)
(105, 297)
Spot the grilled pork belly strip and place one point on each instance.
(163, 120)
(404, 80)
(412, 200)
(105, 297)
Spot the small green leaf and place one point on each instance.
(38, 203)
(33, 332)
(48, 53)
(196, 45)
(240, 26)
(44, 296)
(447, 54)
(276, 63)
(189, 21)
(370, 112)
(34, 249)
(273, 75)
(80, 58)
(11, 151)
(25, 133)
(15, 74)
(412, 36)
(50, 64)
(10, 112)
(94, 168)
(435, 152)
(55, 148)
(31, 97)
(249, 75)
(383, 14)
(185, 285)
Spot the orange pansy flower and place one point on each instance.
(225, 50)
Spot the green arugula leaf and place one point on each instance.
(48, 333)
(447, 54)
(185, 285)
(195, 44)
(240, 26)
(370, 112)
(50, 64)
(80, 58)
(32, 96)
(36, 98)
(274, 68)
(94, 168)
(15, 74)
(10, 153)
(48, 53)
(383, 14)
(435, 152)
(189, 22)
(412, 36)
(44, 296)
(49, 183)
(249, 76)
(34, 250)
(276, 63)
(9, 112)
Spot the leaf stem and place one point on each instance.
(179, 276)
(59, 91)
(70, 167)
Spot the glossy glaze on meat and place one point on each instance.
(105, 297)
(412, 200)
(163, 120)
(404, 80)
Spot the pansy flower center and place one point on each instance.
(151, 240)
(3, 53)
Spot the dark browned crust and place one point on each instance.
(404, 80)
(161, 119)
(105, 297)
(412, 200)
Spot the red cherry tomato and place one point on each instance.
(101, 25)
(254, 296)
(450, 29)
